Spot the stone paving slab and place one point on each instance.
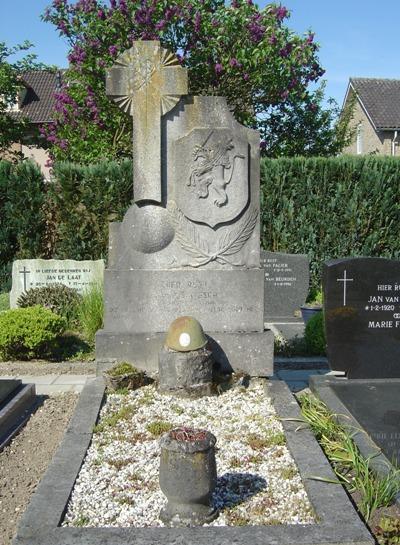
(54, 384)
(337, 522)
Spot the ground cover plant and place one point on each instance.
(374, 495)
(258, 482)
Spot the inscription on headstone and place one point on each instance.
(362, 316)
(36, 273)
(286, 283)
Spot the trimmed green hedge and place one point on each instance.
(83, 200)
(326, 208)
(22, 221)
(329, 208)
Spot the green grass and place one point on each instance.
(4, 301)
(91, 312)
(352, 469)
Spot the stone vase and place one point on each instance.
(188, 476)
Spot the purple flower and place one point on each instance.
(272, 39)
(263, 145)
(197, 22)
(310, 38)
(62, 27)
(234, 63)
(284, 94)
(285, 51)
(100, 14)
(113, 50)
(235, 4)
(246, 76)
(123, 7)
(218, 68)
(161, 24)
(281, 13)
(63, 144)
(77, 55)
(214, 23)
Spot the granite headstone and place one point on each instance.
(36, 273)
(190, 242)
(376, 406)
(286, 283)
(362, 316)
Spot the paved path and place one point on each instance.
(296, 379)
(51, 384)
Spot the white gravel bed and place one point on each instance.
(258, 482)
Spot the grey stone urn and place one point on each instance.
(188, 476)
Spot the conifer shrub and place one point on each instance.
(58, 298)
(29, 332)
(314, 335)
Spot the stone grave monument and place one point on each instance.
(190, 242)
(362, 323)
(362, 316)
(36, 273)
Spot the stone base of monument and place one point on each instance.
(370, 409)
(16, 402)
(251, 353)
(186, 374)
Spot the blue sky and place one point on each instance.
(357, 37)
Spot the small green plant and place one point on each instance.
(314, 335)
(388, 531)
(315, 298)
(111, 421)
(91, 311)
(58, 298)
(158, 427)
(29, 332)
(258, 442)
(4, 301)
(123, 368)
(351, 468)
(288, 472)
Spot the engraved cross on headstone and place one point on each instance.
(344, 280)
(146, 82)
(24, 272)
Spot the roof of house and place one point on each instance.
(39, 102)
(381, 100)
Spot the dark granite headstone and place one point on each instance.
(286, 283)
(362, 316)
(376, 406)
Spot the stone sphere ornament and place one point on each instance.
(185, 334)
(188, 476)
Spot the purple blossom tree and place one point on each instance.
(235, 50)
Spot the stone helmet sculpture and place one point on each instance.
(185, 334)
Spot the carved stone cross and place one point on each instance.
(146, 82)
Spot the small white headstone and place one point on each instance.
(36, 273)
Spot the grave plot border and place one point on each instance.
(337, 521)
(322, 387)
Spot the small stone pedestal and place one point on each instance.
(186, 374)
(188, 476)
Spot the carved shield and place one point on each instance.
(211, 175)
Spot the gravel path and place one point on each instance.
(17, 368)
(24, 461)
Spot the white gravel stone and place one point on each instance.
(258, 482)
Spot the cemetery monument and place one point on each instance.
(189, 245)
